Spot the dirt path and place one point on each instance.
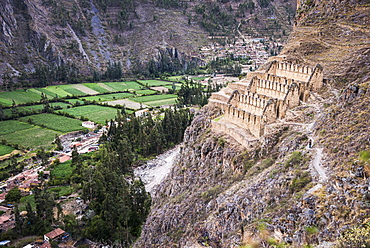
(317, 164)
(155, 171)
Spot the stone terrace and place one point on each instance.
(263, 97)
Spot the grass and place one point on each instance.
(96, 87)
(33, 109)
(62, 171)
(151, 83)
(62, 190)
(24, 200)
(55, 90)
(71, 90)
(170, 101)
(176, 79)
(122, 86)
(152, 98)
(108, 97)
(32, 137)
(94, 113)
(73, 101)
(198, 78)
(145, 92)
(12, 126)
(55, 122)
(19, 97)
(5, 149)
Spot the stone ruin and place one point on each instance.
(263, 97)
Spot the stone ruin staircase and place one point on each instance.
(263, 97)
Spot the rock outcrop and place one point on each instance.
(223, 194)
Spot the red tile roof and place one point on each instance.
(55, 233)
(64, 158)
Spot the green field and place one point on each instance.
(96, 87)
(151, 83)
(32, 137)
(176, 78)
(19, 97)
(73, 101)
(5, 149)
(8, 127)
(55, 122)
(70, 88)
(145, 92)
(94, 113)
(123, 86)
(33, 109)
(170, 101)
(54, 91)
(108, 97)
(198, 78)
(62, 171)
(151, 98)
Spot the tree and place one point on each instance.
(58, 142)
(14, 195)
(2, 115)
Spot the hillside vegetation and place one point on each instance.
(284, 192)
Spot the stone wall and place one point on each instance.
(267, 94)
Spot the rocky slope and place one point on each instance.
(90, 33)
(283, 192)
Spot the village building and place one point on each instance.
(57, 235)
(88, 124)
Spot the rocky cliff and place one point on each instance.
(307, 183)
(89, 33)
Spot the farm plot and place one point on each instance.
(151, 83)
(7, 127)
(122, 86)
(5, 149)
(54, 91)
(96, 87)
(72, 89)
(33, 109)
(107, 97)
(32, 137)
(74, 101)
(55, 122)
(128, 104)
(19, 97)
(161, 88)
(176, 78)
(170, 101)
(145, 92)
(94, 113)
(153, 98)
(86, 90)
(177, 86)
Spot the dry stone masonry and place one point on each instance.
(262, 97)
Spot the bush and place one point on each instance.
(294, 159)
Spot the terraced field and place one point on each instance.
(95, 113)
(152, 98)
(55, 122)
(5, 149)
(151, 83)
(27, 135)
(107, 97)
(23, 110)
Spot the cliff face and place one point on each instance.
(90, 33)
(308, 181)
